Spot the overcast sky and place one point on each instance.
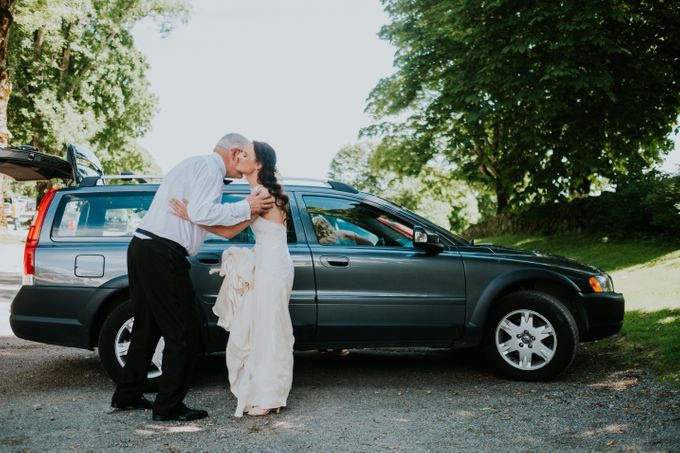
(293, 73)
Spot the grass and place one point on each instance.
(648, 340)
(609, 254)
(646, 271)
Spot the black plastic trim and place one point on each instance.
(603, 313)
(342, 187)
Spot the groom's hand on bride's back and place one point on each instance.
(260, 202)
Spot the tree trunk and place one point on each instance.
(502, 199)
(65, 54)
(6, 19)
(581, 189)
(38, 36)
(37, 43)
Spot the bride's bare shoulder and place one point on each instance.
(275, 214)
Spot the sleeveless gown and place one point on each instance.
(253, 306)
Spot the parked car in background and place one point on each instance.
(19, 210)
(368, 273)
(7, 206)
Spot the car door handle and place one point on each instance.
(335, 261)
(208, 258)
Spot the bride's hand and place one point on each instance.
(179, 208)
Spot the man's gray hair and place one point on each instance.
(230, 141)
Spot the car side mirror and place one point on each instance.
(426, 240)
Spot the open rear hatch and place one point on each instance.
(25, 163)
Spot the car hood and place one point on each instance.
(526, 256)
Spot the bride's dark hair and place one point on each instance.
(266, 156)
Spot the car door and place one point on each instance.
(373, 286)
(207, 281)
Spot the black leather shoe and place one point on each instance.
(183, 414)
(141, 403)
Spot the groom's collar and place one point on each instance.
(220, 163)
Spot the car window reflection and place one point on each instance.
(348, 222)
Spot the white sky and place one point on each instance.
(293, 73)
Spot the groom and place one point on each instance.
(158, 273)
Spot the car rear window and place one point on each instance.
(97, 215)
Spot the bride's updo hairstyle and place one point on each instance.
(266, 156)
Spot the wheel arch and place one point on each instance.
(545, 281)
(106, 298)
(111, 295)
(107, 305)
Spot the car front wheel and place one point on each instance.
(530, 336)
(114, 342)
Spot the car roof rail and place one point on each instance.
(90, 181)
(337, 185)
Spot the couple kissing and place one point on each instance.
(253, 300)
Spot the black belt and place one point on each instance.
(170, 243)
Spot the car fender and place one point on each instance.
(95, 310)
(475, 325)
(120, 282)
(98, 305)
(112, 289)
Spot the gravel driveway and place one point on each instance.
(56, 398)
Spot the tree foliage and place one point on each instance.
(432, 193)
(78, 77)
(537, 99)
(7, 9)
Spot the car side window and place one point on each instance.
(246, 236)
(100, 215)
(340, 221)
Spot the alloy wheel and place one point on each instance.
(122, 344)
(526, 340)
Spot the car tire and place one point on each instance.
(114, 339)
(530, 336)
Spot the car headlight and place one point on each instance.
(601, 283)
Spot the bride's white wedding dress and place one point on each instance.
(253, 306)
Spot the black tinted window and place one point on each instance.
(100, 215)
(246, 236)
(339, 221)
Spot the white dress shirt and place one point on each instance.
(200, 180)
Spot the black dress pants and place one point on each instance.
(163, 300)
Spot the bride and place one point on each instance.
(253, 300)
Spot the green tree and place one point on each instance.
(78, 77)
(432, 193)
(351, 166)
(7, 8)
(538, 100)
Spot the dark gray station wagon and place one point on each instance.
(368, 273)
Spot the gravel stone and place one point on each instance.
(55, 399)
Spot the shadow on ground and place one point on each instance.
(32, 366)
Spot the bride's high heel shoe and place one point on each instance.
(257, 411)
